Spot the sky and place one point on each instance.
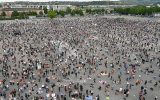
(47, 0)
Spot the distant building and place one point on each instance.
(61, 7)
(108, 6)
(37, 6)
(26, 7)
(9, 11)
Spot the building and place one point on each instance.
(36, 6)
(9, 11)
(8, 8)
(108, 6)
(60, 7)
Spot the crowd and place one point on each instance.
(89, 58)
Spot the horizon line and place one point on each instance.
(57, 1)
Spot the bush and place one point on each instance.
(52, 14)
(138, 10)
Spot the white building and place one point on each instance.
(39, 6)
(61, 7)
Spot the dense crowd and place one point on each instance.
(89, 58)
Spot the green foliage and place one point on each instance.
(138, 10)
(5, 18)
(40, 13)
(23, 15)
(52, 14)
(45, 10)
(32, 13)
(80, 12)
(61, 13)
(77, 12)
(88, 11)
(3, 14)
(95, 11)
(106, 11)
(15, 14)
(73, 12)
(68, 10)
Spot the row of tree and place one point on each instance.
(96, 11)
(3, 14)
(46, 12)
(22, 15)
(138, 10)
(74, 12)
(62, 13)
(54, 13)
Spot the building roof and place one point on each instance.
(20, 9)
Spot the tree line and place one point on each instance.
(54, 13)
(44, 13)
(20, 15)
(62, 13)
(75, 12)
(23, 15)
(138, 10)
(96, 11)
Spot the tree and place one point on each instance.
(45, 10)
(107, 11)
(68, 10)
(41, 13)
(52, 14)
(88, 11)
(15, 14)
(138, 10)
(22, 15)
(80, 12)
(3, 14)
(102, 11)
(32, 13)
(62, 13)
(77, 12)
(73, 12)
